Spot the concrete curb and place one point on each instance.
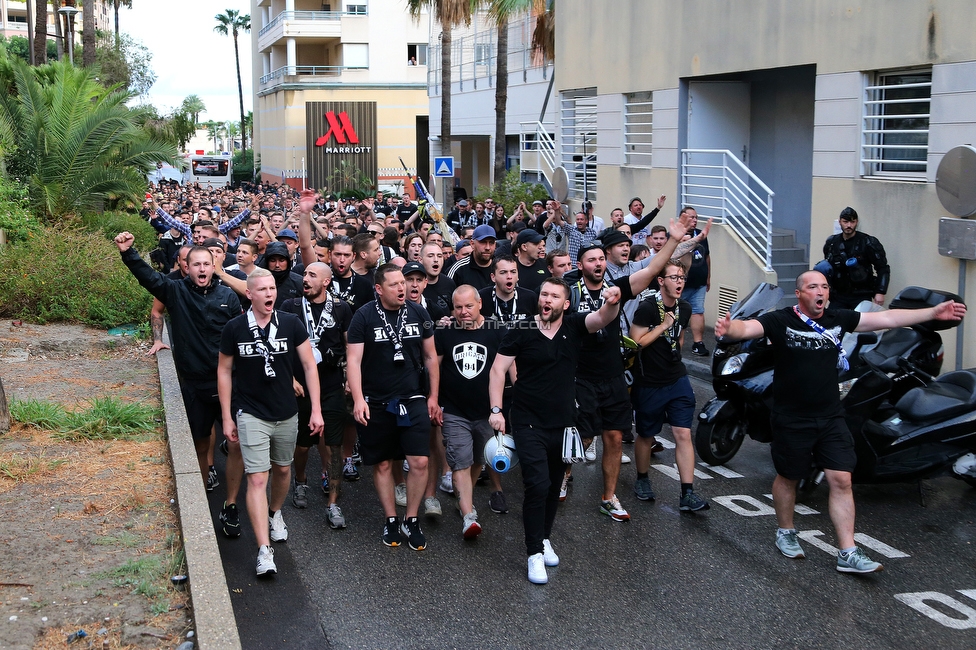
(213, 615)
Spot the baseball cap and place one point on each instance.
(528, 236)
(537, 202)
(461, 244)
(463, 203)
(287, 233)
(611, 238)
(483, 232)
(413, 267)
(518, 226)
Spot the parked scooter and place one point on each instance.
(906, 424)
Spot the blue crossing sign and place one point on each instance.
(444, 166)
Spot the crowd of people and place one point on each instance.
(376, 333)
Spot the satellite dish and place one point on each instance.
(560, 184)
(955, 181)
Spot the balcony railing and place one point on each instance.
(309, 70)
(306, 15)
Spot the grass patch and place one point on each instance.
(123, 539)
(149, 575)
(107, 418)
(19, 468)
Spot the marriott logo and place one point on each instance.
(340, 127)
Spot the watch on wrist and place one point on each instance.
(496, 410)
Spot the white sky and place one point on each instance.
(189, 57)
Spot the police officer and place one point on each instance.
(859, 268)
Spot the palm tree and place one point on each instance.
(40, 32)
(88, 36)
(450, 13)
(193, 106)
(116, 4)
(213, 131)
(78, 144)
(231, 22)
(232, 129)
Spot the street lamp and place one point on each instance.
(69, 11)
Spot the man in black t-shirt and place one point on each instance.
(346, 285)
(440, 288)
(661, 390)
(326, 320)
(466, 351)
(530, 255)
(506, 302)
(257, 352)
(390, 345)
(807, 419)
(546, 352)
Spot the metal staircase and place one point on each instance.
(789, 261)
(537, 153)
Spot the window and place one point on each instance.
(417, 54)
(896, 124)
(577, 134)
(359, 10)
(482, 53)
(355, 55)
(638, 128)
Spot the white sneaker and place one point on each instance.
(432, 507)
(590, 453)
(406, 466)
(624, 459)
(564, 487)
(266, 564)
(537, 570)
(279, 531)
(550, 555)
(447, 482)
(471, 528)
(400, 494)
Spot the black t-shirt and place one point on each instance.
(659, 364)
(383, 378)
(806, 362)
(331, 344)
(521, 307)
(546, 367)
(356, 290)
(600, 357)
(440, 297)
(698, 273)
(266, 398)
(467, 359)
(466, 271)
(532, 277)
(404, 211)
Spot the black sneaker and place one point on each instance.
(628, 437)
(391, 532)
(415, 537)
(223, 447)
(699, 350)
(498, 503)
(349, 471)
(231, 520)
(356, 457)
(212, 481)
(483, 477)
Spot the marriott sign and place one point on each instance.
(339, 132)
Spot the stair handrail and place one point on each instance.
(732, 194)
(541, 146)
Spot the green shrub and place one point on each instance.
(16, 220)
(511, 191)
(67, 274)
(112, 223)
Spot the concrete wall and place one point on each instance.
(732, 267)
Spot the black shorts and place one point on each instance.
(333, 412)
(382, 439)
(202, 407)
(603, 405)
(799, 443)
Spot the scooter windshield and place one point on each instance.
(761, 299)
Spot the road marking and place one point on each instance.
(735, 503)
(917, 602)
(879, 546)
(812, 536)
(722, 471)
(798, 508)
(672, 471)
(968, 593)
(667, 444)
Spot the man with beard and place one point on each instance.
(199, 307)
(346, 285)
(277, 260)
(367, 251)
(258, 351)
(661, 391)
(601, 387)
(440, 288)
(859, 264)
(466, 352)
(505, 301)
(475, 269)
(390, 345)
(546, 356)
(326, 320)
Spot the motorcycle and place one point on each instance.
(906, 423)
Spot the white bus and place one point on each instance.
(214, 171)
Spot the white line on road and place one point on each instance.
(798, 508)
(812, 536)
(917, 600)
(737, 503)
(879, 546)
(722, 471)
(672, 471)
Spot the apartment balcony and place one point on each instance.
(296, 75)
(318, 25)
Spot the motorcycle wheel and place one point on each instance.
(717, 442)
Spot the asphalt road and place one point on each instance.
(666, 579)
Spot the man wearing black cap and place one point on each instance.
(476, 268)
(530, 256)
(459, 216)
(278, 261)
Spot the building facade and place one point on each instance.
(338, 87)
(15, 16)
(772, 116)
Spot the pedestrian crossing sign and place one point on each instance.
(444, 166)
